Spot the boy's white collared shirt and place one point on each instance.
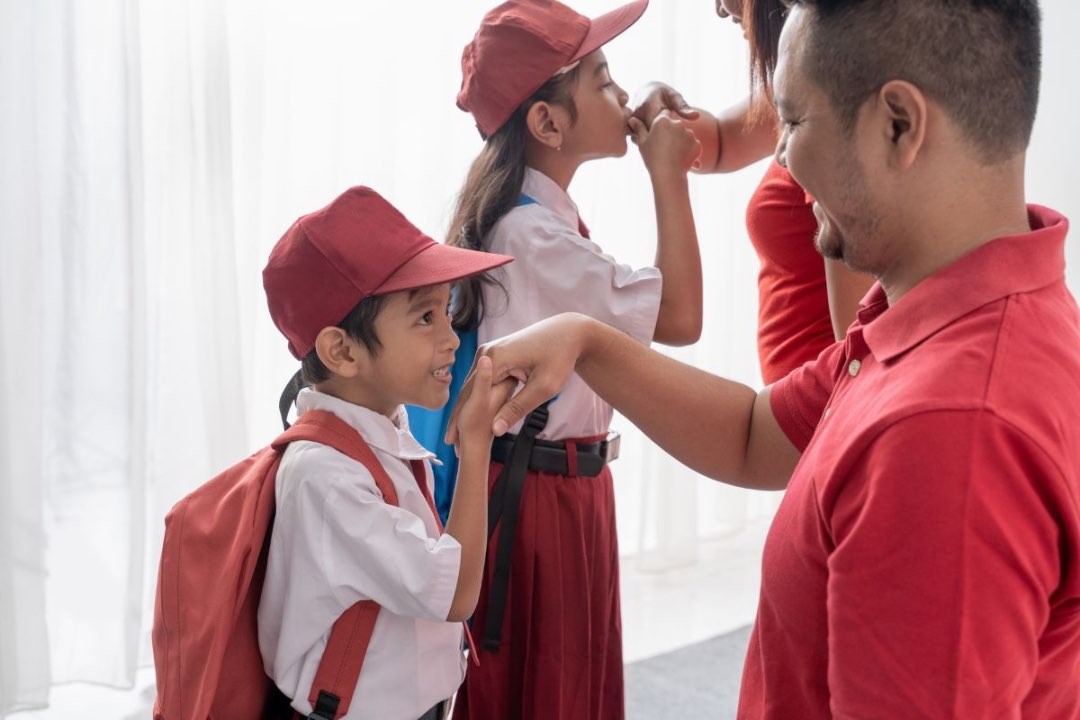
(557, 270)
(336, 542)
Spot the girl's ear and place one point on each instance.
(339, 353)
(547, 124)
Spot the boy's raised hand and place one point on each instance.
(478, 405)
(541, 357)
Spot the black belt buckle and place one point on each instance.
(609, 448)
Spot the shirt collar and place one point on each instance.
(547, 192)
(388, 434)
(1005, 266)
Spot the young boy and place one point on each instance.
(362, 297)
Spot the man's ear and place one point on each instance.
(340, 353)
(902, 108)
(547, 123)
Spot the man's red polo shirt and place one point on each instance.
(925, 561)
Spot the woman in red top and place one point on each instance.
(805, 302)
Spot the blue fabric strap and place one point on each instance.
(429, 426)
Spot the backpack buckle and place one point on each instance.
(326, 706)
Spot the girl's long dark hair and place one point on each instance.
(491, 190)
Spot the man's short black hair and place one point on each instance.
(978, 59)
(360, 325)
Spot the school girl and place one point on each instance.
(540, 90)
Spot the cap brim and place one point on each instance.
(438, 263)
(609, 26)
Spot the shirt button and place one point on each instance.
(853, 368)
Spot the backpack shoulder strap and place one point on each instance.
(328, 429)
(339, 669)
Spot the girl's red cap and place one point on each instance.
(520, 45)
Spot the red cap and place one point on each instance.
(522, 44)
(357, 246)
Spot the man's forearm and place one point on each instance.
(717, 427)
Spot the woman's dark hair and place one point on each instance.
(763, 25)
(763, 21)
(491, 190)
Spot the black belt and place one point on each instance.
(551, 457)
(519, 454)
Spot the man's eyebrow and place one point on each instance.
(782, 104)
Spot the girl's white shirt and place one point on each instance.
(557, 270)
(336, 542)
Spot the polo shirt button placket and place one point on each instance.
(853, 367)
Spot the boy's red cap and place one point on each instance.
(357, 246)
(522, 44)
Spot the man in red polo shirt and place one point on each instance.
(925, 561)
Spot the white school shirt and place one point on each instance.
(557, 270)
(335, 542)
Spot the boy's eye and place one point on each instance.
(427, 318)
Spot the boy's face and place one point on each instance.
(601, 127)
(412, 366)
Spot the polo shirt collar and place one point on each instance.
(1005, 266)
(391, 435)
(547, 193)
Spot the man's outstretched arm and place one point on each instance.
(721, 429)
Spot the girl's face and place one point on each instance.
(601, 127)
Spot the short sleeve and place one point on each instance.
(799, 399)
(377, 551)
(945, 554)
(556, 270)
(335, 533)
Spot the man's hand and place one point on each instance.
(541, 356)
(478, 407)
(659, 97)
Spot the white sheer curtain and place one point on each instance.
(153, 152)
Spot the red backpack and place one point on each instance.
(213, 562)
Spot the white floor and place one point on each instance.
(662, 611)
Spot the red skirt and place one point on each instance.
(561, 651)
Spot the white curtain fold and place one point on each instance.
(153, 153)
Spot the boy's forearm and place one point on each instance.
(468, 524)
(679, 260)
